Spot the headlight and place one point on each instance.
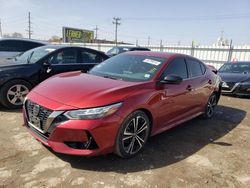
(93, 113)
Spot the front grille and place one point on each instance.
(230, 84)
(37, 115)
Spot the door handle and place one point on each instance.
(49, 69)
(189, 88)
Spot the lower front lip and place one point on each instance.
(103, 132)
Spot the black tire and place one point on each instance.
(13, 93)
(132, 135)
(210, 106)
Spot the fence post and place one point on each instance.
(161, 47)
(192, 49)
(230, 52)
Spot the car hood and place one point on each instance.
(9, 63)
(81, 90)
(234, 77)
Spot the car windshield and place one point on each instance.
(235, 68)
(128, 67)
(33, 55)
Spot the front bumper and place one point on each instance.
(77, 137)
(240, 89)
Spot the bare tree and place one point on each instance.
(17, 35)
(55, 39)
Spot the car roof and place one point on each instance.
(155, 54)
(131, 47)
(24, 39)
(61, 46)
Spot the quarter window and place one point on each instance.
(177, 67)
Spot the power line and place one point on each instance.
(116, 22)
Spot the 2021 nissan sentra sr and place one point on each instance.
(120, 103)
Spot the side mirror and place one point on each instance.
(46, 63)
(171, 79)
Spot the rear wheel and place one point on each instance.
(210, 107)
(133, 135)
(12, 94)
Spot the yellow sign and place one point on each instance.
(77, 35)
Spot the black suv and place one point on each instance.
(20, 75)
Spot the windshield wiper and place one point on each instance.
(111, 77)
(29, 58)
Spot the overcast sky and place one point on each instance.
(171, 21)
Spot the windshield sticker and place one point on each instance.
(50, 49)
(147, 76)
(125, 49)
(152, 62)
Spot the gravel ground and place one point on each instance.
(199, 153)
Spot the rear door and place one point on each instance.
(200, 83)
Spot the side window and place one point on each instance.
(194, 67)
(3, 46)
(90, 57)
(67, 56)
(203, 68)
(177, 67)
(11, 46)
(29, 45)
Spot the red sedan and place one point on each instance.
(120, 103)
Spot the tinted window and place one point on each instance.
(67, 56)
(29, 45)
(203, 68)
(177, 67)
(194, 67)
(11, 46)
(91, 57)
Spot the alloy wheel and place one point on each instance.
(211, 105)
(135, 135)
(17, 93)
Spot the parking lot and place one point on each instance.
(200, 153)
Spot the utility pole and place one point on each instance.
(116, 22)
(148, 40)
(137, 43)
(1, 32)
(29, 27)
(96, 30)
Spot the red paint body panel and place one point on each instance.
(168, 104)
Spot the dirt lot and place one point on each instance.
(200, 153)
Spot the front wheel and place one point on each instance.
(210, 106)
(12, 94)
(133, 134)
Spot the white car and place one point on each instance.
(11, 47)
